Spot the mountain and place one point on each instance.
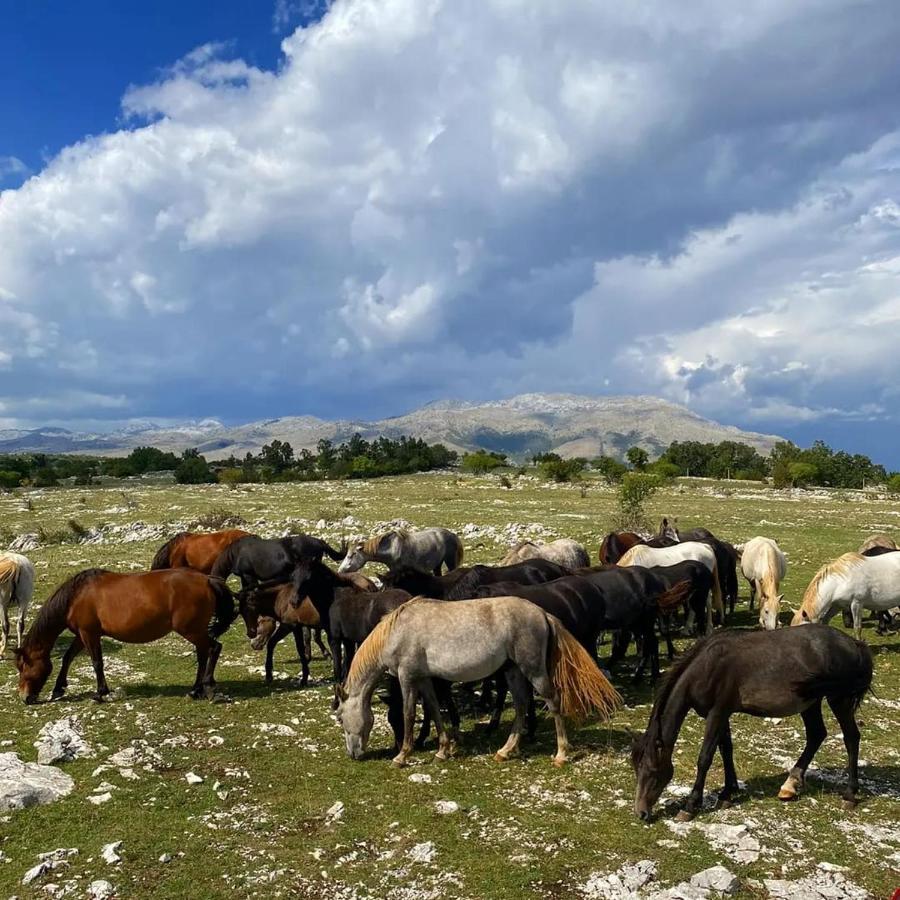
(520, 426)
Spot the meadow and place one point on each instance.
(282, 811)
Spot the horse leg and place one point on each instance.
(752, 593)
(337, 661)
(4, 627)
(410, 696)
(712, 736)
(209, 679)
(542, 682)
(92, 642)
(856, 610)
(305, 658)
(202, 650)
(726, 751)
(349, 653)
(815, 734)
(395, 711)
(844, 711)
(484, 702)
(271, 644)
(499, 701)
(518, 687)
(433, 708)
(317, 636)
(20, 624)
(62, 679)
(444, 691)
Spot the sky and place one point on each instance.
(247, 209)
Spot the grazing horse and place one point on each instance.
(269, 616)
(195, 550)
(134, 609)
(641, 555)
(565, 552)
(462, 583)
(468, 641)
(616, 544)
(16, 587)
(761, 673)
(256, 560)
(726, 559)
(764, 565)
(426, 550)
(851, 581)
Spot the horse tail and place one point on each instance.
(581, 686)
(675, 596)
(224, 613)
(458, 553)
(224, 564)
(163, 558)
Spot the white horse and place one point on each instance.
(16, 586)
(642, 555)
(566, 552)
(764, 565)
(426, 551)
(851, 582)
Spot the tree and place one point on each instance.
(481, 461)
(278, 456)
(638, 457)
(194, 469)
(636, 488)
(802, 474)
(562, 470)
(893, 483)
(611, 469)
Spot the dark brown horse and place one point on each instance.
(617, 543)
(761, 673)
(195, 550)
(134, 609)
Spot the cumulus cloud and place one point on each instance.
(469, 198)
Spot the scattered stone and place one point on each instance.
(422, 853)
(446, 807)
(193, 778)
(826, 882)
(30, 784)
(61, 741)
(101, 890)
(110, 853)
(97, 799)
(420, 778)
(276, 728)
(25, 543)
(716, 878)
(36, 871)
(166, 858)
(335, 813)
(626, 882)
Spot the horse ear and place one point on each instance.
(780, 597)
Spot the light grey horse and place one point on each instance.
(564, 551)
(468, 640)
(16, 586)
(426, 550)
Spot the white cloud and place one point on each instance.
(469, 198)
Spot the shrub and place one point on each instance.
(611, 469)
(482, 461)
(217, 518)
(664, 470)
(231, 477)
(194, 469)
(638, 457)
(634, 491)
(893, 483)
(561, 470)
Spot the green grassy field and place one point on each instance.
(273, 761)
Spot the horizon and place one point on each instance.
(352, 208)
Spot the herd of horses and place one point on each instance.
(529, 626)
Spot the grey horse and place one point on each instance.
(468, 640)
(564, 551)
(426, 551)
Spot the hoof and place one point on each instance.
(399, 763)
(57, 695)
(850, 803)
(684, 816)
(559, 763)
(500, 757)
(786, 795)
(99, 698)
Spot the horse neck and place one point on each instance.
(667, 717)
(41, 637)
(367, 681)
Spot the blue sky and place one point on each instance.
(243, 210)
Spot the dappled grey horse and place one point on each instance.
(469, 640)
(426, 550)
(564, 551)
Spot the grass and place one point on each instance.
(257, 824)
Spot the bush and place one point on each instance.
(561, 470)
(231, 476)
(893, 483)
(634, 491)
(9, 480)
(194, 469)
(482, 461)
(664, 470)
(611, 469)
(638, 457)
(218, 518)
(802, 474)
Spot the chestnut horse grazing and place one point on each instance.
(134, 609)
(195, 550)
(761, 673)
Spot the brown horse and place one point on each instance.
(195, 550)
(134, 609)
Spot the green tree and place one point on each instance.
(802, 474)
(481, 461)
(562, 470)
(611, 469)
(194, 469)
(634, 491)
(893, 483)
(638, 457)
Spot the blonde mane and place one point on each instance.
(839, 568)
(8, 569)
(369, 654)
(769, 582)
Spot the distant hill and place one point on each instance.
(520, 426)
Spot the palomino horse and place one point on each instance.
(134, 609)
(762, 673)
(195, 550)
(642, 555)
(565, 552)
(426, 550)
(764, 566)
(16, 587)
(468, 641)
(853, 582)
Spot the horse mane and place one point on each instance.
(51, 616)
(839, 568)
(224, 564)
(369, 654)
(770, 579)
(163, 557)
(626, 558)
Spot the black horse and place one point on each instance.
(762, 673)
(462, 583)
(257, 560)
(726, 561)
